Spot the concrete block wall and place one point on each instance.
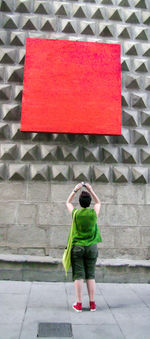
(38, 170)
(34, 219)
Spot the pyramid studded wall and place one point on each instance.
(38, 170)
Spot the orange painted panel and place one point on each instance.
(71, 87)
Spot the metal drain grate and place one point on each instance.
(54, 330)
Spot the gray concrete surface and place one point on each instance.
(34, 220)
(123, 310)
(48, 269)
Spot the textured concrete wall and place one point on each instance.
(34, 219)
(38, 170)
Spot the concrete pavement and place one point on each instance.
(123, 310)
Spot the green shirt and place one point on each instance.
(85, 231)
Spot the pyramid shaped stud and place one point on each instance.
(101, 174)
(6, 6)
(124, 138)
(4, 131)
(29, 22)
(16, 134)
(68, 26)
(9, 152)
(106, 30)
(17, 92)
(70, 153)
(3, 37)
(2, 73)
(145, 155)
(91, 153)
(21, 57)
(30, 152)
(71, 138)
(140, 4)
(130, 118)
(11, 112)
(140, 137)
(60, 10)
(15, 73)
(138, 101)
(48, 24)
(139, 175)
(132, 17)
(109, 154)
(42, 137)
(98, 13)
(79, 11)
(147, 83)
(49, 152)
(78, 138)
(99, 139)
(22, 6)
(39, 172)
(59, 137)
(132, 82)
(11, 21)
(88, 29)
(5, 92)
(81, 173)
(145, 50)
(124, 3)
(120, 174)
(131, 48)
(59, 173)
(125, 99)
(124, 32)
(17, 38)
(141, 66)
(41, 7)
(146, 17)
(17, 172)
(114, 14)
(141, 34)
(7, 55)
(125, 64)
(145, 118)
(129, 155)
(3, 172)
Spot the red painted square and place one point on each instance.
(71, 87)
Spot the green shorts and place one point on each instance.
(83, 261)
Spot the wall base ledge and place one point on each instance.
(40, 268)
(47, 259)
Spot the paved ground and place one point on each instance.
(123, 310)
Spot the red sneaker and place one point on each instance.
(77, 307)
(92, 306)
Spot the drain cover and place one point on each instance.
(54, 330)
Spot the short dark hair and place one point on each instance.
(85, 199)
